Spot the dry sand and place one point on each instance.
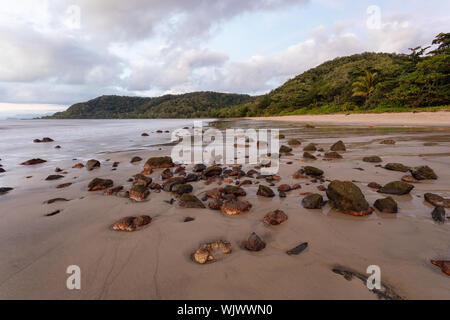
(155, 263)
(440, 118)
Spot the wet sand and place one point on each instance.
(440, 118)
(154, 263)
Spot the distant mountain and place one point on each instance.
(189, 105)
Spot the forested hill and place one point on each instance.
(358, 83)
(190, 105)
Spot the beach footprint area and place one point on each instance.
(140, 226)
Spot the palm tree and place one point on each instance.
(364, 85)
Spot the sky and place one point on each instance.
(54, 53)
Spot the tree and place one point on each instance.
(364, 85)
(443, 42)
(417, 53)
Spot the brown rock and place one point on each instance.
(211, 252)
(33, 162)
(374, 185)
(255, 243)
(115, 190)
(99, 184)
(131, 224)
(92, 164)
(190, 201)
(284, 188)
(215, 204)
(136, 159)
(444, 265)
(64, 185)
(78, 166)
(139, 192)
(275, 217)
(234, 207)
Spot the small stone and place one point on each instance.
(275, 217)
(237, 191)
(255, 243)
(284, 188)
(348, 198)
(409, 179)
(312, 171)
(131, 224)
(213, 171)
(444, 265)
(33, 162)
(158, 163)
(200, 167)
(92, 164)
(310, 147)
(54, 177)
(5, 190)
(78, 166)
(308, 155)
(181, 189)
(99, 184)
(386, 205)
(338, 146)
(282, 194)
(332, 155)
(438, 214)
(190, 201)
(139, 192)
(64, 185)
(265, 191)
(396, 167)
(298, 249)
(215, 204)
(188, 219)
(211, 252)
(387, 141)
(374, 185)
(144, 135)
(166, 174)
(423, 173)
(372, 159)
(314, 201)
(397, 188)
(136, 159)
(235, 207)
(115, 190)
(294, 142)
(437, 200)
(285, 149)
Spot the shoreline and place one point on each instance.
(433, 119)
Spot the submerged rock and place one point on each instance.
(308, 155)
(100, 184)
(139, 192)
(294, 142)
(255, 243)
(332, 155)
(5, 190)
(386, 205)
(372, 159)
(33, 162)
(159, 163)
(423, 173)
(438, 214)
(444, 265)
(348, 198)
(275, 217)
(211, 252)
(396, 167)
(310, 147)
(131, 224)
(437, 200)
(314, 201)
(285, 149)
(265, 191)
(190, 201)
(397, 188)
(235, 206)
(338, 146)
(92, 164)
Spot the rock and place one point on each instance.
(136, 159)
(285, 149)
(114, 190)
(56, 200)
(54, 213)
(188, 219)
(372, 159)
(99, 184)
(211, 252)
(170, 183)
(284, 188)
(314, 201)
(235, 207)
(131, 224)
(5, 190)
(192, 177)
(181, 189)
(155, 186)
(409, 179)
(374, 185)
(57, 147)
(310, 147)
(282, 194)
(200, 167)
(166, 174)
(396, 167)
(237, 191)
(2, 170)
(213, 171)
(215, 204)
(255, 243)
(423, 173)
(158, 163)
(190, 201)
(308, 155)
(138, 192)
(332, 155)
(33, 162)
(321, 188)
(275, 217)
(140, 179)
(298, 249)
(64, 185)
(294, 142)
(387, 141)
(444, 265)
(47, 139)
(386, 205)
(92, 164)
(438, 214)
(78, 166)
(437, 200)
(338, 146)
(312, 171)
(58, 170)
(144, 135)
(215, 193)
(397, 188)
(115, 164)
(348, 198)
(251, 172)
(299, 175)
(54, 177)
(282, 136)
(265, 191)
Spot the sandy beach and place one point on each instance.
(155, 262)
(440, 118)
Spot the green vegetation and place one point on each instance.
(367, 82)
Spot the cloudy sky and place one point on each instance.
(57, 52)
